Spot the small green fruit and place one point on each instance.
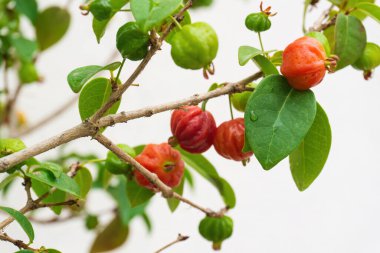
(116, 166)
(216, 230)
(131, 42)
(101, 9)
(258, 22)
(369, 60)
(28, 73)
(195, 46)
(239, 100)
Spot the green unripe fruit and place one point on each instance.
(201, 3)
(258, 22)
(239, 100)
(370, 58)
(131, 42)
(28, 73)
(216, 230)
(101, 9)
(185, 21)
(195, 46)
(116, 166)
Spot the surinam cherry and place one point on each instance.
(259, 22)
(369, 60)
(216, 230)
(229, 140)
(162, 160)
(193, 129)
(305, 63)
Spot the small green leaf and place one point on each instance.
(276, 58)
(201, 165)
(22, 220)
(25, 48)
(307, 161)
(370, 9)
(55, 197)
(189, 178)
(172, 202)
(79, 76)
(84, 181)
(99, 28)
(151, 13)
(138, 195)
(265, 65)
(29, 8)
(6, 181)
(28, 73)
(246, 53)
(322, 39)
(112, 237)
(63, 182)
(277, 118)
(54, 168)
(101, 9)
(25, 251)
(350, 40)
(51, 26)
(8, 146)
(93, 96)
(91, 222)
(147, 222)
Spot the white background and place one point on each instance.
(338, 213)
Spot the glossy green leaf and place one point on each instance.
(93, 96)
(309, 158)
(53, 168)
(25, 48)
(118, 4)
(112, 237)
(265, 65)
(101, 9)
(322, 39)
(350, 40)
(22, 220)
(84, 181)
(151, 13)
(277, 118)
(29, 8)
(276, 58)
(370, 9)
(246, 53)
(55, 197)
(189, 178)
(51, 25)
(147, 221)
(8, 146)
(99, 28)
(201, 165)
(173, 203)
(63, 182)
(137, 194)
(79, 76)
(350, 6)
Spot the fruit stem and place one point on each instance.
(230, 102)
(261, 44)
(119, 71)
(176, 22)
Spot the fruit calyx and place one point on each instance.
(331, 63)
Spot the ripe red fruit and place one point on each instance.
(162, 160)
(229, 140)
(304, 63)
(193, 129)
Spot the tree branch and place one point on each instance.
(180, 238)
(17, 243)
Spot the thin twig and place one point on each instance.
(17, 243)
(180, 238)
(319, 25)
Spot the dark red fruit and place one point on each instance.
(193, 129)
(229, 140)
(304, 64)
(162, 160)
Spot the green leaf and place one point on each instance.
(307, 161)
(147, 222)
(99, 28)
(277, 118)
(28, 73)
(53, 168)
(322, 39)
(246, 53)
(172, 202)
(112, 237)
(137, 194)
(265, 65)
(91, 222)
(201, 165)
(22, 220)
(25, 48)
(370, 9)
(63, 182)
(8, 146)
(79, 76)
(84, 181)
(55, 197)
(118, 4)
(93, 96)
(51, 26)
(189, 178)
(6, 181)
(29, 8)
(24, 251)
(350, 40)
(151, 13)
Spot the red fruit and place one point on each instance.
(229, 140)
(304, 63)
(162, 160)
(193, 129)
